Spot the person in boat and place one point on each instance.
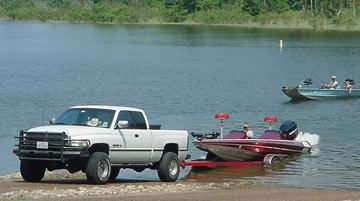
(348, 85)
(333, 83)
(247, 129)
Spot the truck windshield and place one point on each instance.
(101, 118)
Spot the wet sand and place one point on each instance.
(66, 187)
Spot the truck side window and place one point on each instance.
(126, 116)
(139, 120)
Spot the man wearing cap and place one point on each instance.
(333, 83)
(247, 130)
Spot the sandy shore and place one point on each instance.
(66, 187)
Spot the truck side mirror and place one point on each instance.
(122, 124)
(52, 121)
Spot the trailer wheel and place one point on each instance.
(169, 167)
(271, 160)
(32, 171)
(98, 168)
(114, 173)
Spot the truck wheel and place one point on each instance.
(114, 173)
(32, 171)
(98, 168)
(169, 167)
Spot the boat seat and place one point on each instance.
(236, 134)
(271, 134)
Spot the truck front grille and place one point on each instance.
(55, 141)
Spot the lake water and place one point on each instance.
(182, 76)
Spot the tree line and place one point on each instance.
(203, 11)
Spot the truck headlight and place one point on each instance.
(80, 143)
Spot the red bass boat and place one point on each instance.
(237, 146)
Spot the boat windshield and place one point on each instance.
(92, 117)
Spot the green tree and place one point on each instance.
(296, 4)
(13, 7)
(253, 7)
(56, 3)
(175, 13)
(9, 5)
(278, 5)
(208, 4)
(189, 5)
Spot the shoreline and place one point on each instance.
(60, 185)
(326, 28)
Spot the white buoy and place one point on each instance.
(281, 44)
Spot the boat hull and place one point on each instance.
(296, 93)
(251, 149)
(231, 153)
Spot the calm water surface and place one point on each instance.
(182, 75)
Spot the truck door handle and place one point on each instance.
(136, 135)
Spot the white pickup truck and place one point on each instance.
(100, 140)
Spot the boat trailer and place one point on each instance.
(269, 160)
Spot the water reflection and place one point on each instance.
(182, 75)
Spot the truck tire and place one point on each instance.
(169, 168)
(32, 171)
(98, 168)
(114, 173)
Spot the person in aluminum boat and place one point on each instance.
(348, 85)
(333, 84)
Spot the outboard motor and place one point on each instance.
(288, 130)
(307, 82)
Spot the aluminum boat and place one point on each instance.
(304, 91)
(298, 93)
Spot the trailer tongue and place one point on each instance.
(212, 164)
